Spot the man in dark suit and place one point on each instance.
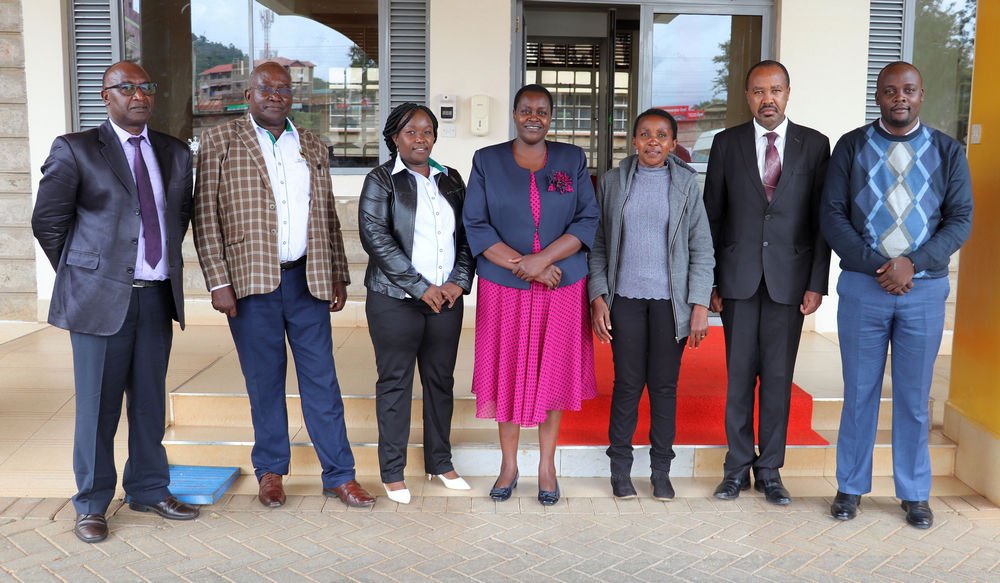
(762, 195)
(113, 205)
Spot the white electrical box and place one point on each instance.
(479, 117)
(447, 111)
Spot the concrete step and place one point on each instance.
(476, 453)
(231, 409)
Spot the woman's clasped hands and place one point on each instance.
(534, 267)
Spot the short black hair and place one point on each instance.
(767, 63)
(534, 88)
(656, 112)
(399, 117)
(894, 64)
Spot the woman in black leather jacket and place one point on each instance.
(419, 266)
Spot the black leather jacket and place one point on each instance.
(386, 212)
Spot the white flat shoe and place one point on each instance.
(398, 496)
(451, 483)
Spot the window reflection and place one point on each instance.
(330, 50)
(944, 35)
(698, 72)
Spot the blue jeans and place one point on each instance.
(869, 320)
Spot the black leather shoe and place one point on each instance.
(170, 508)
(774, 491)
(548, 497)
(621, 487)
(91, 528)
(662, 488)
(845, 506)
(502, 494)
(918, 513)
(730, 488)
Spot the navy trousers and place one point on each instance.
(131, 362)
(260, 327)
(869, 320)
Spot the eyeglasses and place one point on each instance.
(148, 88)
(282, 92)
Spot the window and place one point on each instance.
(201, 52)
(943, 39)
(699, 67)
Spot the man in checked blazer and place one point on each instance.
(762, 196)
(270, 246)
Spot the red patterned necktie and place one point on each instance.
(772, 166)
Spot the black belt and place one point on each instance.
(286, 265)
(149, 282)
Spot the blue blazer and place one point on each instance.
(498, 208)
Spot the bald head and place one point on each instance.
(898, 66)
(270, 69)
(115, 72)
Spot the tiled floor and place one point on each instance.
(37, 408)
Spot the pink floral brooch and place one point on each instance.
(560, 181)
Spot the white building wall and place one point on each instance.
(46, 66)
(824, 45)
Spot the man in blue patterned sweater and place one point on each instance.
(897, 204)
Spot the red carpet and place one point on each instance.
(701, 402)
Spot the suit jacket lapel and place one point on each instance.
(748, 147)
(113, 153)
(793, 150)
(248, 134)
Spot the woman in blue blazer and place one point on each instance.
(530, 217)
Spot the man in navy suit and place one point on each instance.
(113, 205)
(762, 195)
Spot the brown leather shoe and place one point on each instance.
(271, 493)
(170, 508)
(91, 528)
(352, 494)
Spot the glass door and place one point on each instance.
(694, 66)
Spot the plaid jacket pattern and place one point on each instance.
(236, 223)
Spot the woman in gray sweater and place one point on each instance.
(650, 282)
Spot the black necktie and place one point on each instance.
(147, 206)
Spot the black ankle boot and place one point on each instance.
(662, 488)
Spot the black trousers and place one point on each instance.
(132, 363)
(404, 333)
(645, 354)
(762, 341)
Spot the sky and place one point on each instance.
(683, 71)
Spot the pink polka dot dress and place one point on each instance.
(534, 349)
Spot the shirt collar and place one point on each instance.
(288, 128)
(881, 124)
(759, 131)
(123, 134)
(398, 166)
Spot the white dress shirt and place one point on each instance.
(289, 174)
(144, 270)
(760, 141)
(433, 253)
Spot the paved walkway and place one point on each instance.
(475, 539)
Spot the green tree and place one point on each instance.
(208, 54)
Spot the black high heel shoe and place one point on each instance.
(548, 498)
(502, 494)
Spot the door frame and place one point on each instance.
(648, 9)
